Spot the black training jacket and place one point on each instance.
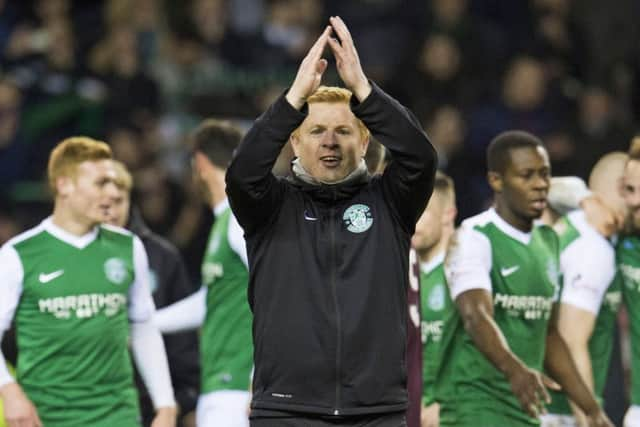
(328, 266)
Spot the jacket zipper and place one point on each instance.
(332, 233)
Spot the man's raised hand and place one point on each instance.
(310, 72)
(347, 60)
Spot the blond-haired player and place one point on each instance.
(77, 292)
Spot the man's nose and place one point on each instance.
(330, 140)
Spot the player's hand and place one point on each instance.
(310, 72)
(165, 417)
(604, 219)
(347, 60)
(530, 388)
(19, 411)
(599, 419)
(430, 415)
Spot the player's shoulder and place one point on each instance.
(26, 236)
(479, 221)
(116, 234)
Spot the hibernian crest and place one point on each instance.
(116, 270)
(358, 218)
(437, 297)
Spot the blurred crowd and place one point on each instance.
(140, 74)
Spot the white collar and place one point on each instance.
(428, 266)
(221, 207)
(508, 229)
(79, 242)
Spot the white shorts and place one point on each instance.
(229, 408)
(632, 417)
(553, 420)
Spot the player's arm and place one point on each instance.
(468, 267)
(585, 284)
(184, 315)
(147, 345)
(560, 365)
(568, 193)
(18, 409)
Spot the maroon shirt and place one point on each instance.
(414, 345)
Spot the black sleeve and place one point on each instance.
(254, 193)
(408, 180)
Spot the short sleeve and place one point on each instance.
(585, 283)
(468, 262)
(11, 274)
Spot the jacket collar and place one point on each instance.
(343, 189)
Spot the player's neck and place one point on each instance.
(216, 186)
(427, 255)
(511, 218)
(64, 219)
(217, 195)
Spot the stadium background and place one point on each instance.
(140, 74)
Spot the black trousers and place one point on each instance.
(396, 419)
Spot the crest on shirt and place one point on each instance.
(436, 297)
(116, 270)
(358, 218)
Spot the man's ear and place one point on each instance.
(294, 140)
(620, 186)
(365, 145)
(64, 185)
(495, 181)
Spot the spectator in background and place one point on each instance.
(14, 149)
(132, 95)
(597, 130)
(169, 283)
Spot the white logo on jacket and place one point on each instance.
(358, 218)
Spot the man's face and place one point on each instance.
(91, 192)
(119, 212)
(430, 224)
(525, 182)
(329, 143)
(201, 168)
(631, 193)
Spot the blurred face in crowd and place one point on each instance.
(631, 193)
(525, 85)
(9, 113)
(430, 224)
(329, 142)
(119, 212)
(89, 193)
(523, 186)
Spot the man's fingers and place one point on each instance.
(549, 383)
(318, 46)
(336, 48)
(341, 29)
(321, 66)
